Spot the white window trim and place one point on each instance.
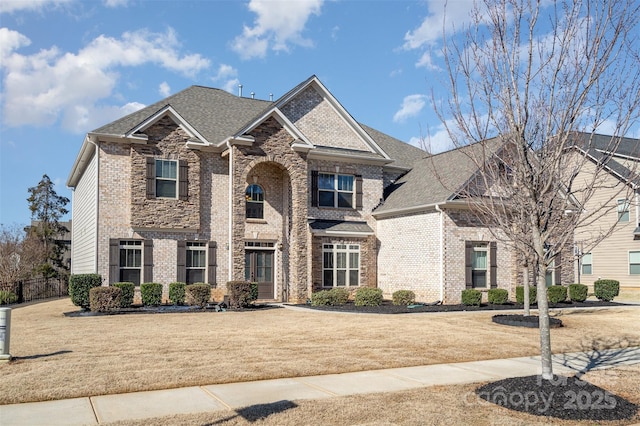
(196, 246)
(334, 250)
(175, 181)
(625, 210)
(337, 191)
(590, 264)
(629, 262)
(131, 245)
(484, 247)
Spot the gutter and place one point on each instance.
(461, 204)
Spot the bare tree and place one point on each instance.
(545, 78)
(20, 254)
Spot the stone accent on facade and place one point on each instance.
(166, 141)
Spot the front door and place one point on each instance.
(258, 267)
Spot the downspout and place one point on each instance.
(438, 209)
(97, 192)
(230, 242)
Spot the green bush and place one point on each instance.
(79, 286)
(105, 299)
(403, 297)
(7, 297)
(322, 298)
(606, 289)
(241, 293)
(151, 294)
(197, 294)
(128, 290)
(556, 293)
(367, 296)
(498, 296)
(578, 292)
(333, 297)
(471, 297)
(533, 294)
(177, 293)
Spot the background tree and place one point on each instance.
(535, 74)
(20, 255)
(47, 208)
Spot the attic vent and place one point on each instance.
(240, 90)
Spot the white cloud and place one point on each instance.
(278, 25)
(116, 3)
(9, 41)
(440, 20)
(9, 6)
(43, 87)
(81, 118)
(439, 141)
(164, 89)
(412, 105)
(227, 78)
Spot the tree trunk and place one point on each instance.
(527, 302)
(545, 332)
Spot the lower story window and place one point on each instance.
(634, 262)
(550, 275)
(196, 262)
(340, 265)
(479, 266)
(587, 264)
(131, 261)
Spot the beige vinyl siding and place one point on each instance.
(84, 217)
(610, 257)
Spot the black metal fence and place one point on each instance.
(38, 288)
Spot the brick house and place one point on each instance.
(206, 186)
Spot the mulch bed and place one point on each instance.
(168, 309)
(388, 307)
(563, 398)
(531, 321)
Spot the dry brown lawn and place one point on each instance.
(62, 357)
(438, 405)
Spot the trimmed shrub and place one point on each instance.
(533, 295)
(333, 297)
(322, 298)
(498, 296)
(471, 297)
(128, 290)
(403, 297)
(367, 296)
(578, 292)
(105, 299)
(197, 294)
(79, 286)
(7, 297)
(556, 293)
(151, 294)
(177, 293)
(241, 293)
(606, 289)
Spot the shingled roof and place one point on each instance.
(437, 178)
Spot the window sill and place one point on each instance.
(256, 221)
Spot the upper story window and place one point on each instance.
(255, 202)
(166, 178)
(623, 210)
(335, 190)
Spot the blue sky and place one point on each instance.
(68, 67)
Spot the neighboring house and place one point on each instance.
(618, 255)
(63, 239)
(205, 186)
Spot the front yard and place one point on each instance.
(61, 357)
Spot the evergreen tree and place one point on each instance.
(47, 208)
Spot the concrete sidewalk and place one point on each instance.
(140, 405)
